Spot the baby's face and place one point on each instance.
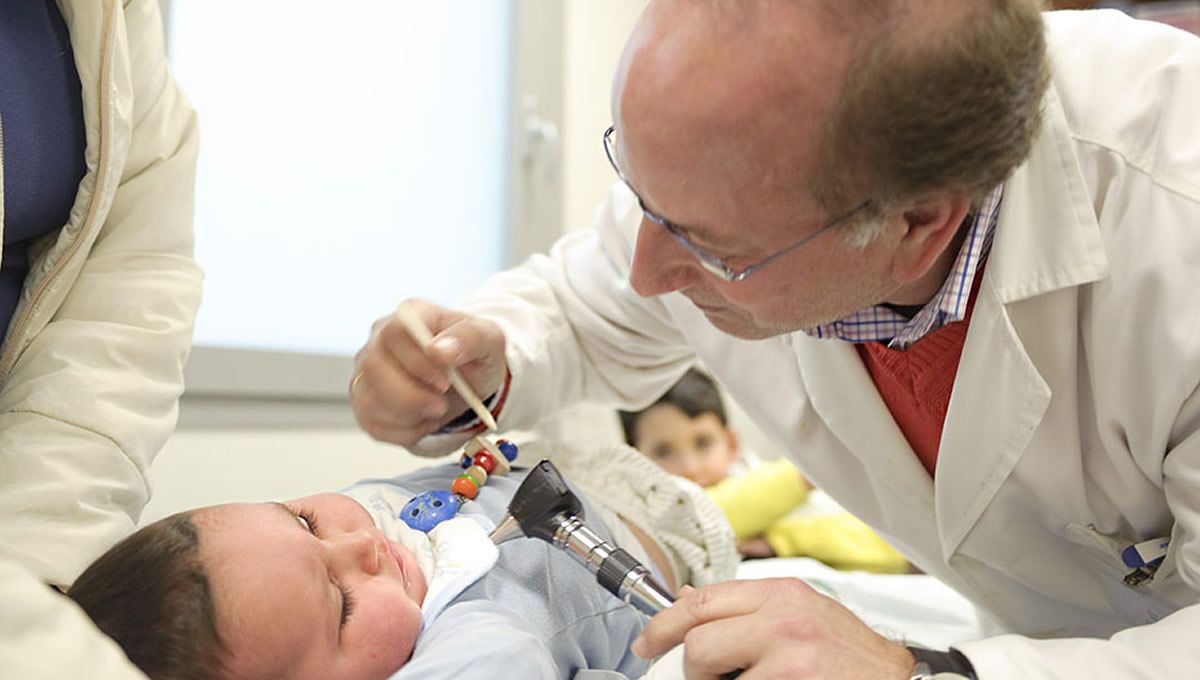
(310, 589)
(700, 449)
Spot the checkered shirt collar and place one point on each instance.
(880, 324)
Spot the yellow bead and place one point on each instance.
(478, 474)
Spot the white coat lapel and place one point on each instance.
(1047, 239)
(844, 396)
(998, 401)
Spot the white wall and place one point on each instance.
(205, 467)
(595, 34)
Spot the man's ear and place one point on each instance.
(930, 226)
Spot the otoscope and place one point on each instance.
(544, 507)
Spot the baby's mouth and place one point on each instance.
(399, 560)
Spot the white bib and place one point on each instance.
(452, 556)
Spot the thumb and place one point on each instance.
(469, 339)
(447, 349)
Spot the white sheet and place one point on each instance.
(915, 608)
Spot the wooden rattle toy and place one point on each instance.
(481, 458)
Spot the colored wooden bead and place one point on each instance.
(502, 464)
(486, 461)
(465, 487)
(481, 458)
(508, 448)
(427, 510)
(478, 474)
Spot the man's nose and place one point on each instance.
(357, 550)
(660, 264)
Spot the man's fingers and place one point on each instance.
(473, 345)
(390, 396)
(466, 340)
(393, 342)
(401, 387)
(403, 436)
(669, 627)
(714, 649)
(727, 600)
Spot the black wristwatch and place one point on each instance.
(945, 665)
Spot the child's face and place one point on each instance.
(700, 449)
(310, 589)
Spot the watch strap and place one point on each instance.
(937, 662)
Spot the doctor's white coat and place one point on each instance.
(1072, 431)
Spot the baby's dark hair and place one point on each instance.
(695, 394)
(150, 593)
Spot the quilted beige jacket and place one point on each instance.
(91, 369)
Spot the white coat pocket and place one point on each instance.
(1137, 604)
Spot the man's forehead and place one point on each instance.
(689, 75)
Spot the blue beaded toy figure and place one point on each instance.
(480, 458)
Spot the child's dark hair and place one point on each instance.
(695, 394)
(150, 593)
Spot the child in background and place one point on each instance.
(336, 586)
(687, 434)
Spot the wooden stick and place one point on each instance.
(419, 332)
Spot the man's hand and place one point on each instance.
(400, 391)
(772, 628)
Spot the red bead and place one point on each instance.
(465, 487)
(486, 461)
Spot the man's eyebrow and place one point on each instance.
(691, 231)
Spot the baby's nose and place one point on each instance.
(359, 550)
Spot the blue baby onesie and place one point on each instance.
(536, 614)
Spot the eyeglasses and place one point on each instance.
(711, 263)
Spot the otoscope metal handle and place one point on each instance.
(616, 570)
(544, 507)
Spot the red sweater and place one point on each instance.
(916, 383)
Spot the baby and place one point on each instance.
(335, 586)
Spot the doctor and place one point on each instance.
(946, 255)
